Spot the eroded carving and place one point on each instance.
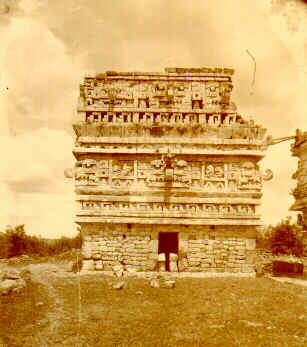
(170, 171)
(178, 172)
(207, 209)
(267, 175)
(122, 168)
(250, 177)
(152, 124)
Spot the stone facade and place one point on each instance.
(299, 149)
(166, 165)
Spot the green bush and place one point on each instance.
(15, 242)
(285, 239)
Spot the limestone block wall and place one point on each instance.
(137, 247)
(104, 249)
(219, 255)
(207, 252)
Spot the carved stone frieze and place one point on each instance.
(214, 171)
(170, 171)
(163, 124)
(122, 168)
(249, 176)
(164, 147)
(201, 209)
(108, 92)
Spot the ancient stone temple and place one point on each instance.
(167, 172)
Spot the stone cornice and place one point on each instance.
(164, 193)
(172, 109)
(175, 145)
(80, 150)
(172, 140)
(164, 215)
(175, 199)
(158, 76)
(199, 131)
(165, 220)
(180, 71)
(178, 221)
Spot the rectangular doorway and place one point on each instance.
(168, 243)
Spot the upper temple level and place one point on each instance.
(189, 102)
(186, 89)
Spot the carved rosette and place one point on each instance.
(267, 175)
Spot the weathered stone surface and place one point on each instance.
(9, 274)
(119, 285)
(12, 281)
(154, 283)
(168, 284)
(131, 270)
(88, 264)
(97, 256)
(25, 275)
(173, 262)
(99, 265)
(152, 265)
(299, 149)
(166, 152)
(7, 286)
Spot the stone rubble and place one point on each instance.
(12, 281)
(119, 285)
(154, 283)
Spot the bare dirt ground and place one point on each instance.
(197, 312)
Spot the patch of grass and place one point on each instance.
(197, 312)
(20, 316)
(206, 312)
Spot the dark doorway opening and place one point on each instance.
(168, 243)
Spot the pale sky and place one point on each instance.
(48, 47)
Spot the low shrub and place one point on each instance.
(14, 242)
(284, 239)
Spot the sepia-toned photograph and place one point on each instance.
(153, 178)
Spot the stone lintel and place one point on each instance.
(95, 191)
(247, 234)
(199, 231)
(241, 152)
(165, 220)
